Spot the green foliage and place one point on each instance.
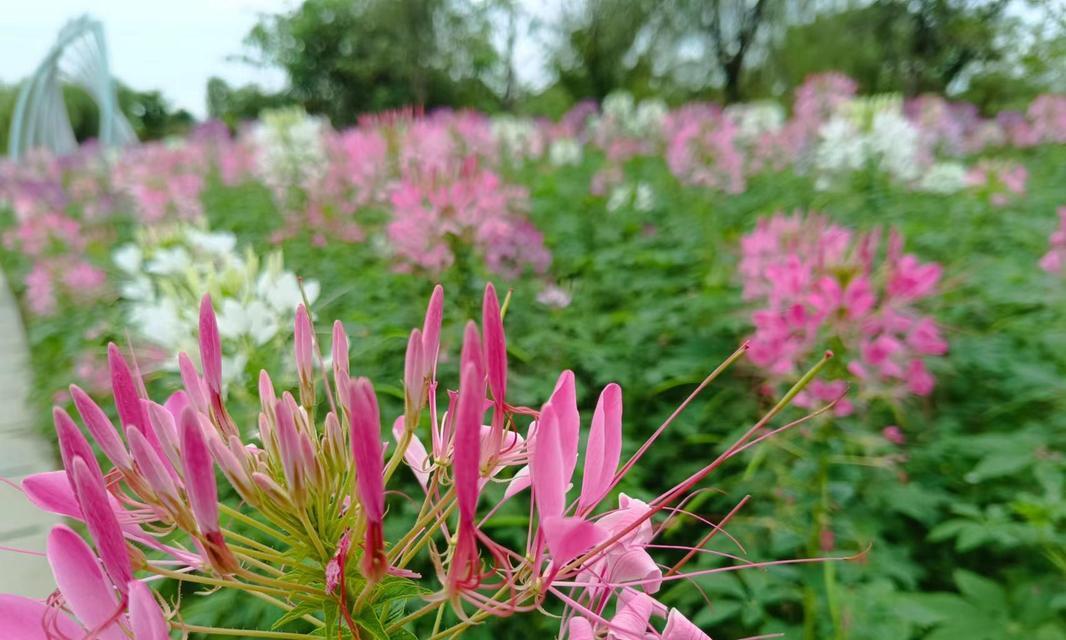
(344, 58)
(959, 533)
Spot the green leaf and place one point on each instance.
(982, 592)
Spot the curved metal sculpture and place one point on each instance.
(79, 57)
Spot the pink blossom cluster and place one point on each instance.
(1055, 258)
(817, 285)
(162, 181)
(466, 208)
(818, 98)
(54, 241)
(314, 485)
(1000, 181)
(702, 149)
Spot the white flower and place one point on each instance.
(128, 257)
(519, 137)
(139, 288)
(216, 243)
(290, 147)
(756, 118)
(564, 151)
(944, 177)
(162, 322)
(644, 200)
(841, 147)
(620, 195)
(893, 141)
(169, 261)
(552, 295)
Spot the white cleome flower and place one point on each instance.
(944, 177)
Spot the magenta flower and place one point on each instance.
(317, 491)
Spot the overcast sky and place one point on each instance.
(173, 46)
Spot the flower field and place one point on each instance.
(767, 369)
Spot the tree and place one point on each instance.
(726, 30)
(346, 57)
(236, 105)
(606, 45)
(910, 46)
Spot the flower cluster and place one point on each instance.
(702, 149)
(164, 271)
(312, 482)
(163, 181)
(289, 150)
(49, 234)
(817, 285)
(1055, 259)
(438, 219)
(869, 133)
(1000, 181)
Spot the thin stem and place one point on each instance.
(245, 633)
(411, 617)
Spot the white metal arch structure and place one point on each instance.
(78, 57)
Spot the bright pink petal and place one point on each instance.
(72, 444)
(366, 447)
(210, 346)
(199, 473)
(80, 579)
(303, 336)
(101, 428)
(495, 345)
(126, 389)
(466, 462)
(431, 331)
(103, 526)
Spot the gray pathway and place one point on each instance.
(22, 452)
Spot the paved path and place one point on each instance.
(22, 452)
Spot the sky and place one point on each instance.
(172, 46)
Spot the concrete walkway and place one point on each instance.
(22, 452)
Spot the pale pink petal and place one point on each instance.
(604, 448)
(568, 538)
(678, 627)
(564, 399)
(415, 456)
(80, 579)
(633, 566)
(549, 481)
(580, 629)
(146, 617)
(25, 619)
(630, 621)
